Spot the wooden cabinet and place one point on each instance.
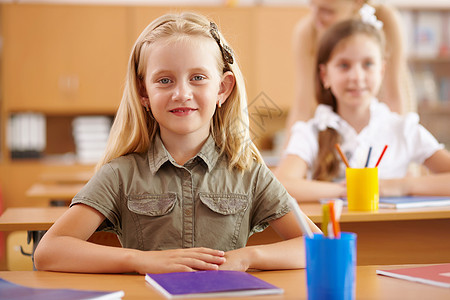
(63, 59)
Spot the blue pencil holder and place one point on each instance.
(331, 267)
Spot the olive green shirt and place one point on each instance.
(153, 203)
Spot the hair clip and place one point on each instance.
(227, 53)
(367, 14)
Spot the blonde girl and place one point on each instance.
(181, 183)
(350, 67)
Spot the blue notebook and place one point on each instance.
(210, 284)
(413, 201)
(406, 201)
(12, 291)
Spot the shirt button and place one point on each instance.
(188, 212)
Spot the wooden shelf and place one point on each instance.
(429, 5)
(438, 108)
(429, 60)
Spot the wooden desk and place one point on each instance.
(29, 218)
(368, 284)
(389, 236)
(40, 219)
(53, 192)
(37, 220)
(65, 177)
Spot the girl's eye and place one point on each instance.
(343, 65)
(326, 11)
(368, 64)
(164, 81)
(198, 77)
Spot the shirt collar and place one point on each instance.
(158, 154)
(325, 117)
(209, 153)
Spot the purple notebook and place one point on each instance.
(210, 284)
(9, 290)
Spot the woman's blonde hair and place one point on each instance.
(134, 129)
(327, 166)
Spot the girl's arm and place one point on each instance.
(292, 174)
(395, 82)
(64, 248)
(436, 184)
(288, 254)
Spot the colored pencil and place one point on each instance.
(325, 218)
(300, 218)
(342, 155)
(334, 221)
(381, 156)
(368, 157)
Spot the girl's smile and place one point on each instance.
(183, 111)
(357, 92)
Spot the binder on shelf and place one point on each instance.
(91, 135)
(26, 135)
(428, 34)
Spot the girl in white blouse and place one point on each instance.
(349, 72)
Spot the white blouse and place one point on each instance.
(407, 140)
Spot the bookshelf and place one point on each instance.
(428, 45)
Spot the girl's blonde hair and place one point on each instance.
(327, 165)
(134, 128)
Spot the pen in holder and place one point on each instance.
(362, 183)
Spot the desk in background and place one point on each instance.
(55, 194)
(368, 284)
(65, 177)
(37, 220)
(58, 188)
(29, 218)
(40, 219)
(389, 236)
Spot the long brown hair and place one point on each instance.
(327, 165)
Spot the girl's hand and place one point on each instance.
(236, 260)
(393, 187)
(343, 188)
(179, 260)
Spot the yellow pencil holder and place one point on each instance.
(362, 189)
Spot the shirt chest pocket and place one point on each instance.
(152, 205)
(150, 225)
(225, 204)
(224, 220)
